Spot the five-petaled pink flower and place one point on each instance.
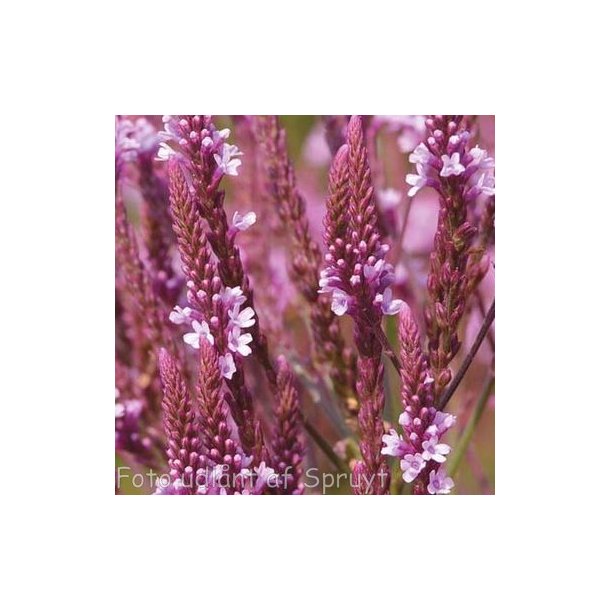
(242, 319)
(202, 330)
(452, 165)
(240, 343)
(180, 316)
(439, 483)
(411, 466)
(226, 163)
(433, 450)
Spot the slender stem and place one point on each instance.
(466, 437)
(387, 348)
(487, 322)
(326, 448)
(403, 230)
(481, 306)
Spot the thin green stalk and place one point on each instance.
(487, 322)
(466, 437)
(325, 446)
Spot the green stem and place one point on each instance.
(487, 322)
(387, 348)
(466, 437)
(326, 448)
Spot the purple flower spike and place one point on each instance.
(423, 426)
(359, 281)
(180, 422)
(287, 444)
(306, 257)
(460, 174)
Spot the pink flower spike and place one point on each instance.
(227, 366)
(439, 483)
(411, 466)
(433, 450)
(241, 223)
(201, 330)
(452, 165)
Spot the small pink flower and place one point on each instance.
(180, 316)
(165, 152)
(340, 302)
(481, 158)
(240, 343)
(241, 223)
(226, 164)
(242, 319)
(202, 330)
(266, 477)
(452, 165)
(443, 421)
(233, 296)
(227, 365)
(372, 272)
(394, 445)
(416, 181)
(439, 483)
(411, 466)
(486, 183)
(390, 306)
(420, 155)
(433, 450)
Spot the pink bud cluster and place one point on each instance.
(356, 274)
(355, 277)
(224, 325)
(196, 140)
(205, 454)
(445, 154)
(420, 449)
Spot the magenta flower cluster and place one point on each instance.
(421, 446)
(448, 153)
